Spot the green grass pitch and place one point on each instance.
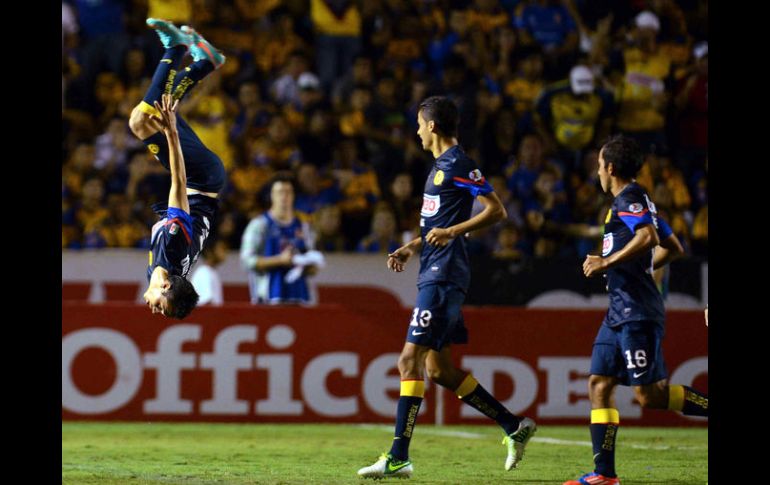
(166, 453)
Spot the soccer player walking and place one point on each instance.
(436, 321)
(627, 349)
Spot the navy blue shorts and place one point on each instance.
(204, 169)
(632, 352)
(436, 319)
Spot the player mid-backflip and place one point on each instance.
(197, 174)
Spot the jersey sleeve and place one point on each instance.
(664, 230)
(181, 219)
(634, 211)
(473, 181)
(252, 242)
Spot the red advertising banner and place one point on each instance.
(335, 363)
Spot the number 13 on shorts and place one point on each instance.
(421, 319)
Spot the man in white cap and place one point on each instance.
(310, 97)
(641, 93)
(647, 20)
(310, 93)
(574, 115)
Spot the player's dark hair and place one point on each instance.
(182, 297)
(443, 112)
(624, 153)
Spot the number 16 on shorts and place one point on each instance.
(636, 361)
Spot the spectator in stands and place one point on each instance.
(252, 118)
(316, 144)
(359, 185)
(270, 245)
(277, 149)
(499, 141)
(122, 228)
(691, 102)
(285, 89)
(310, 98)
(92, 215)
(639, 71)
(526, 83)
(327, 227)
(405, 206)
(352, 120)
(508, 243)
(383, 238)
(548, 24)
(573, 115)
(362, 74)
(337, 26)
(112, 146)
(314, 191)
(524, 170)
(274, 46)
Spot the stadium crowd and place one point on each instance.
(328, 90)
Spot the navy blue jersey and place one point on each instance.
(178, 238)
(452, 184)
(633, 293)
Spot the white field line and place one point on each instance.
(550, 441)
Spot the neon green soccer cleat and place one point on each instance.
(387, 466)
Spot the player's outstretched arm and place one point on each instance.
(177, 196)
(646, 238)
(398, 258)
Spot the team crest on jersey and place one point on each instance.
(636, 207)
(609, 216)
(154, 149)
(475, 175)
(173, 229)
(430, 205)
(607, 244)
(438, 179)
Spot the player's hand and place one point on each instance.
(706, 313)
(398, 258)
(594, 265)
(439, 237)
(167, 112)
